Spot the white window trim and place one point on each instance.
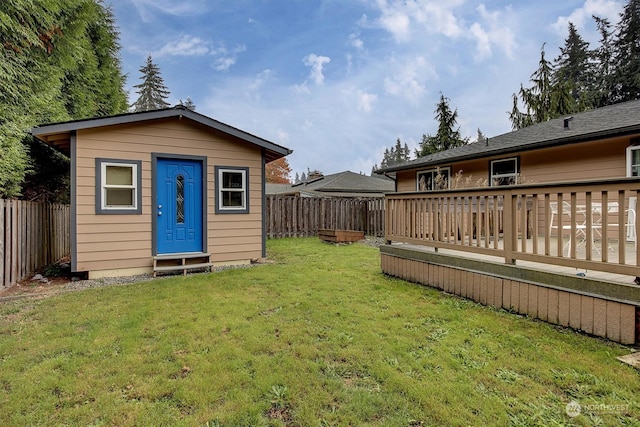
(630, 150)
(432, 170)
(244, 190)
(510, 175)
(101, 186)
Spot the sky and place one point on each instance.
(339, 81)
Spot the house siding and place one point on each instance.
(591, 160)
(109, 242)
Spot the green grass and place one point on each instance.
(317, 338)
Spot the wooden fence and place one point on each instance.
(293, 216)
(32, 235)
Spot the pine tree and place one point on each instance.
(626, 58)
(152, 90)
(396, 155)
(448, 135)
(603, 55)
(481, 137)
(188, 104)
(573, 69)
(59, 62)
(543, 100)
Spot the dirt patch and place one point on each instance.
(35, 288)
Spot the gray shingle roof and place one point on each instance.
(613, 120)
(348, 181)
(273, 151)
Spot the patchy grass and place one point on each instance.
(318, 338)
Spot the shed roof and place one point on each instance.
(601, 123)
(58, 134)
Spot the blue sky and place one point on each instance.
(338, 81)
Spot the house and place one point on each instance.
(341, 184)
(540, 221)
(596, 144)
(162, 190)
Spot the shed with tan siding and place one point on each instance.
(165, 184)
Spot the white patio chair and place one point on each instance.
(560, 225)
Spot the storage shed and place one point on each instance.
(162, 190)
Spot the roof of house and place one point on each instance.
(58, 134)
(606, 122)
(344, 184)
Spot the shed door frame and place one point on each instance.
(154, 195)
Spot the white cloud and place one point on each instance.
(146, 8)
(187, 45)
(408, 80)
(366, 101)
(355, 41)
(395, 20)
(184, 46)
(609, 9)
(492, 31)
(302, 89)
(397, 17)
(316, 63)
(261, 78)
(225, 58)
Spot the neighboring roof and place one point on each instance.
(345, 184)
(606, 122)
(57, 134)
(276, 188)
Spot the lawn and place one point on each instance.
(317, 337)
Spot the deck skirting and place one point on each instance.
(608, 310)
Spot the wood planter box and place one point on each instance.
(341, 236)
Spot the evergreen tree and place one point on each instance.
(394, 156)
(481, 137)
(188, 104)
(573, 68)
(152, 90)
(543, 100)
(603, 55)
(626, 58)
(448, 135)
(60, 62)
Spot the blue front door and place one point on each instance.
(179, 206)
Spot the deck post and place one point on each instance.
(509, 233)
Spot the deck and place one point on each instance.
(568, 251)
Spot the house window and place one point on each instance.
(633, 160)
(118, 184)
(504, 172)
(232, 190)
(433, 179)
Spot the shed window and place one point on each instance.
(504, 172)
(433, 179)
(232, 189)
(633, 160)
(118, 186)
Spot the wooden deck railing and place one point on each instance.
(588, 224)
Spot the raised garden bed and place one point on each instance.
(341, 236)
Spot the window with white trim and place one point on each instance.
(504, 172)
(633, 160)
(433, 179)
(232, 190)
(118, 185)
